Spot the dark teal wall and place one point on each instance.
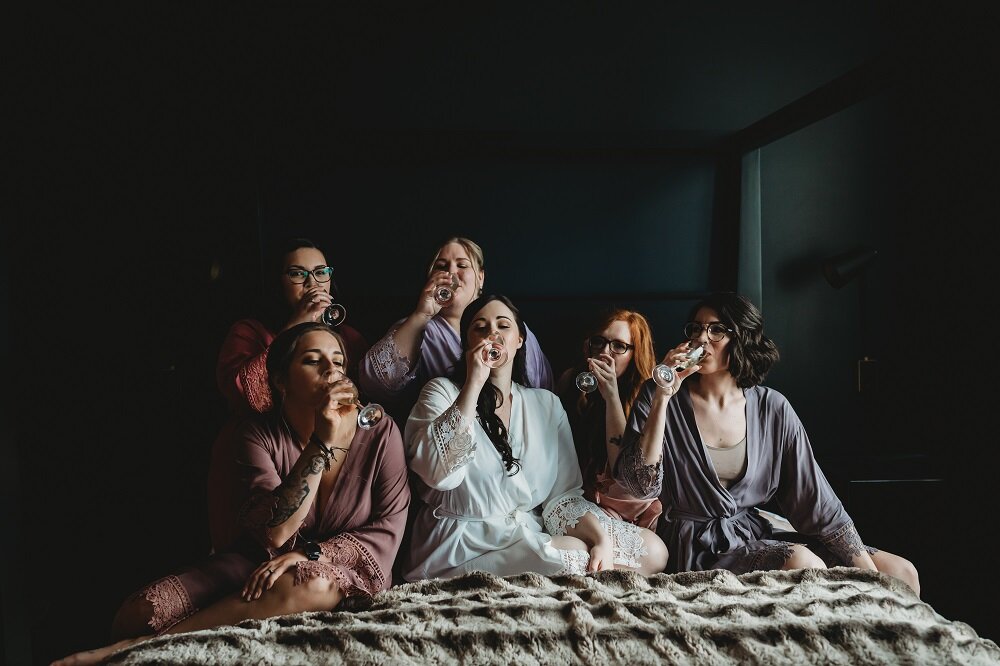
(561, 238)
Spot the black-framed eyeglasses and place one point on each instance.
(716, 330)
(298, 275)
(597, 343)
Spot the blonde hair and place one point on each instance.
(643, 356)
(475, 252)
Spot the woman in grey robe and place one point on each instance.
(714, 444)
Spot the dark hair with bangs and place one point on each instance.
(751, 353)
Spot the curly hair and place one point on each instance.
(751, 353)
(490, 397)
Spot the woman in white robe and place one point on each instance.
(498, 474)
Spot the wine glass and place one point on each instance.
(664, 375)
(586, 381)
(495, 352)
(334, 315)
(444, 293)
(368, 415)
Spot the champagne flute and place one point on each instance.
(444, 293)
(495, 352)
(664, 375)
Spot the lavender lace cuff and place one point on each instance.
(392, 369)
(452, 435)
(639, 479)
(845, 544)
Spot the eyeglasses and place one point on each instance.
(716, 330)
(597, 343)
(298, 275)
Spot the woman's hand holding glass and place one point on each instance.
(679, 363)
(601, 375)
(311, 306)
(432, 298)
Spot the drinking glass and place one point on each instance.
(368, 415)
(444, 293)
(664, 375)
(334, 315)
(586, 381)
(495, 352)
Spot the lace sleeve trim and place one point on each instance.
(574, 563)
(640, 479)
(567, 512)
(347, 555)
(452, 435)
(393, 370)
(845, 544)
(253, 378)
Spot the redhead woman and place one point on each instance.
(618, 352)
(324, 503)
(498, 474)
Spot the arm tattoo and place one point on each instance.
(617, 441)
(274, 508)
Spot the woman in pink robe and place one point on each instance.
(324, 504)
(300, 292)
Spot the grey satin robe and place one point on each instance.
(706, 526)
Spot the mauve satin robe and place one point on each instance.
(706, 526)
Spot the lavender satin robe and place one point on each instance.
(706, 526)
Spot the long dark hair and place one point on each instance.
(490, 397)
(282, 351)
(751, 353)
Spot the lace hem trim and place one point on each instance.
(347, 553)
(641, 480)
(452, 435)
(253, 377)
(392, 369)
(770, 557)
(626, 539)
(170, 602)
(567, 512)
(574, 563)
(845, 544)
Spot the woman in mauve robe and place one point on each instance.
(241, 369)
(324, 507)
(716, 406)
(498, 474)
(426, 344)
(618, 351)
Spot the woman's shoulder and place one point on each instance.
(540, 396)
(439, 386)
(265, 430)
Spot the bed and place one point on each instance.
(810, 616)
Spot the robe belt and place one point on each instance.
(516, 516)
(717, 534)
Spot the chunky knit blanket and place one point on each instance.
(832, 616)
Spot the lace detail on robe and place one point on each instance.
(253, 378)
(770, 557)
(574, 563)
(627, 541)
(452, 434)
(170, 601)
(567, 512)
(392, 369)
(347, 555)
(845, 544)
(639, 479)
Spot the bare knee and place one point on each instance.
(803, 558)
(313, 593)
(655, 559)
(898, 567)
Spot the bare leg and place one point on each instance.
(282, 599)
(803, 558)
(897, 567)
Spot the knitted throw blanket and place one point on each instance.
(841, 615)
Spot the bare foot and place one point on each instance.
(96, 656)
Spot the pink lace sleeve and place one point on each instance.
(353, 568)
(253, 378)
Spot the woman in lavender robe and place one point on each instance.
(715, 444)
(426, 344)
(324, 507)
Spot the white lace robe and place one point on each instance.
(475, 517)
